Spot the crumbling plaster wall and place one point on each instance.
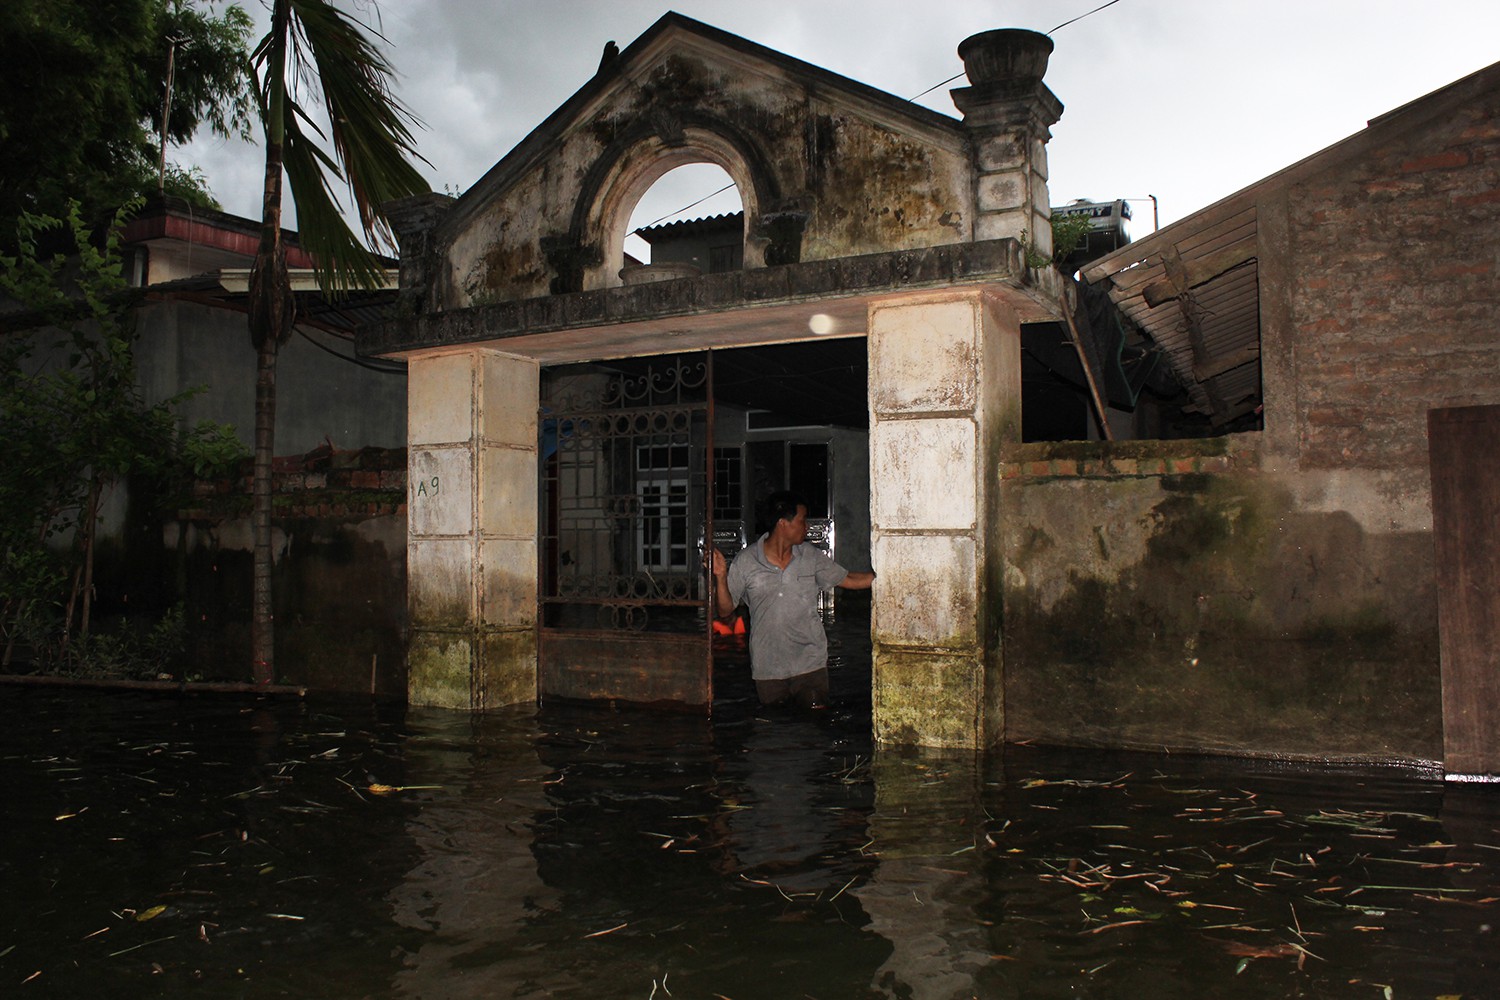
(1173, 595)
(821, 176)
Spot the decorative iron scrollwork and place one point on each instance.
(669, 384)
(623, 474)
(625, 617)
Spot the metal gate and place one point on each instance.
(625, 488)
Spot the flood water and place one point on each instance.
(220, 847)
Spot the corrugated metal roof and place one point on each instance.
(691, 227)
(1198, 297)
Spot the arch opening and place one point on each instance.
(618, 203)
(682, 219)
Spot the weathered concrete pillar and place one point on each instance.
(945, 395)
(471, 551)
(414, 220)
(1008, 113)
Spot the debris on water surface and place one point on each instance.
(376, 788)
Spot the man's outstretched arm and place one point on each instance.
(719, 567)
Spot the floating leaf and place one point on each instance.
(1112, 926)
(150, 914)
(608, 930)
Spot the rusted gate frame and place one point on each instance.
(602, 634)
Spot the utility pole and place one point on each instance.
(166, 111)
(1155, 212)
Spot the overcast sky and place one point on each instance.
(1188, 100)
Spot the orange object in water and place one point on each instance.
(737, 627)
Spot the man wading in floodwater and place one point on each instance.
(779, 577)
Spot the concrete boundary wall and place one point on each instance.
(1173, 595)
(339, 542)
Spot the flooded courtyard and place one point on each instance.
(222, 847)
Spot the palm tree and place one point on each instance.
(312, 46)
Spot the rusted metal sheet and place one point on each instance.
(1466, 533)
(640, 667)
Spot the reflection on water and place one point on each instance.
(158, 847)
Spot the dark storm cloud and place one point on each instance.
(1178, 98)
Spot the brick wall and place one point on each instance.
(1124, 459)
(1395, 292)
(324, 483)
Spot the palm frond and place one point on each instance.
(340, 259)
(368, 147)
(369, 128)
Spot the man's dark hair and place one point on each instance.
(782, 506)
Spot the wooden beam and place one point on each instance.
(1176, 270)
(1100, 412)
(1466, 544)
(1189, 275)
(1224, 413)
(1229, 362)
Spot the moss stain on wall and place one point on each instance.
(1245, 624)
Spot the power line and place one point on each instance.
(1080, 17)
(935, 86)
(385, 368)
(684, 208)
(1075, 20)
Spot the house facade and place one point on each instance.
(1265, 586)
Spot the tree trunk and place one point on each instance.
(90, 533)
(262, 614)
(272, 311)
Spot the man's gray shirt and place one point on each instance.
(786, 634)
